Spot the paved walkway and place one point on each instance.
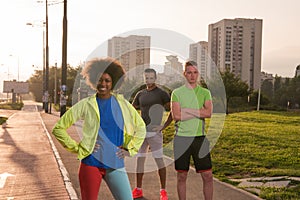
(34, 168)
(28, 167)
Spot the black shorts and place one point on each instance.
(195, 147)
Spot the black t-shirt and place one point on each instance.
(151, 104)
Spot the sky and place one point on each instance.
(92, 22)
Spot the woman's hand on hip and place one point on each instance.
(122, 152)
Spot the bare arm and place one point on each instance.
(167, 106)
(167, 122)
(135, 102)
(204, 112)
(178, 113)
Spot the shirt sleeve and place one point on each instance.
(135, 101)
(208, 96)
(165, 97)
(174, 97)
(135, 137)
(60, 129)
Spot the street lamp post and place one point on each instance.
(258, 97)
(18, 64)
(46, 93)
(7, 71)
(18, 68)
(14, 94)
(64, 63)
(43, 25)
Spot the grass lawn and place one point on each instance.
(9, 106)
(255, 144)
(258, 144)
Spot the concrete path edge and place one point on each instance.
(68, 184)
(236, 188)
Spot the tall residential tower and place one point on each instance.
(198, 53)
(235, 44)
(133, 52)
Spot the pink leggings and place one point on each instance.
(90, 180)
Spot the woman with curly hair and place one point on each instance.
(112, 129)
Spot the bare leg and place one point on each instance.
(140, 171)
(181, 185)
(162, 172)
(207, 178)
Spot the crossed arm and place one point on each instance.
(182, 114)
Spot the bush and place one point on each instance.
(2, 120)
(12, 106)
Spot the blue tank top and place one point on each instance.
(110, 136)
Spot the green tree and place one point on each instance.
(286, 91)
(267, 89)
(234, 87)
(293, 92)
(36, 85)
(277, 88)
(264, 100)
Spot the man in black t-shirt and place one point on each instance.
(152, 102)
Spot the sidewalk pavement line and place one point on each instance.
(238, 189)
(70, 189)
(226, 184)
(11, 116)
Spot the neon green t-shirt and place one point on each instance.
(190, 98)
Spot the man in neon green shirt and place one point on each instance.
(190, 105)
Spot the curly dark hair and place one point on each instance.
(95, 67)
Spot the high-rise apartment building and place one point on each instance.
(235, 44)
(198, 53)
(133, 52)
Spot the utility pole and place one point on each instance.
(63, 88)
(44, 64)
(55, 84)
(46, 94)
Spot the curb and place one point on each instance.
(68, 184)
(238, 189)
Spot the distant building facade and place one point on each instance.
(172, 72)
(133, 52)
(267, 76)
(172, 65)
(198, 53)
(235, 44)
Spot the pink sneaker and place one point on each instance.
(137, 193)
(163, 195)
